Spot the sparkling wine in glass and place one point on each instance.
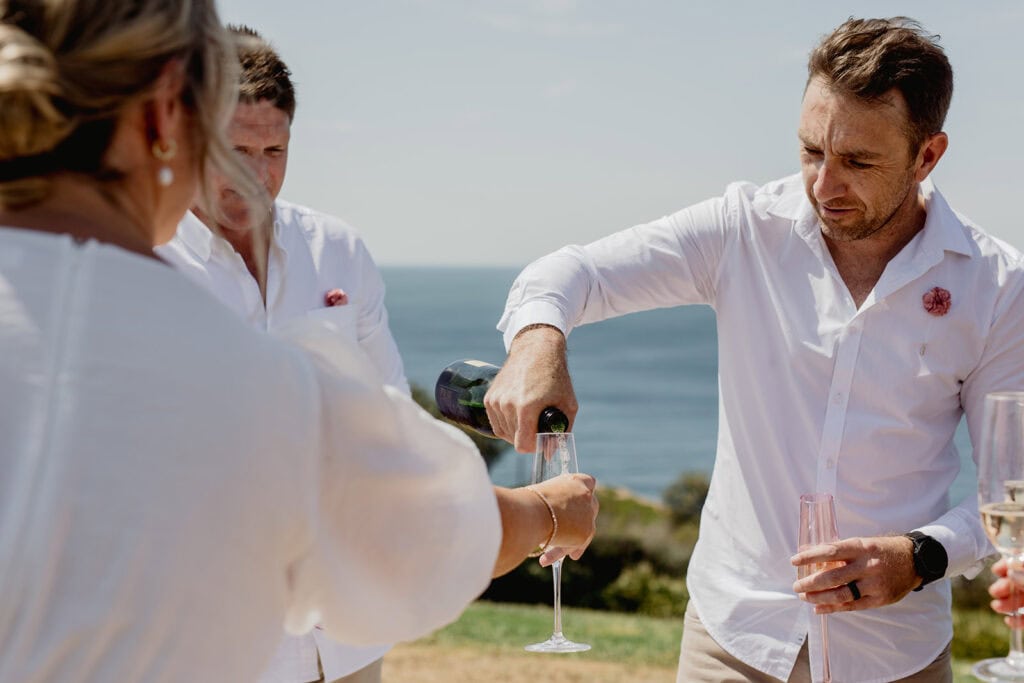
(1001, 504)
(556, 456)
(818, 526)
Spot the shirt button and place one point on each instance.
(837, 398)
(830, 464)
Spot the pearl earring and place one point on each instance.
(164, 152)
(165, 176)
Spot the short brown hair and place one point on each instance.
(264, 75)
(869, 57)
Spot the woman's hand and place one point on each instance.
(1007, 592)
(526, 520)
(575, 504)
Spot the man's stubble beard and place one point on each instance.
(865, 229)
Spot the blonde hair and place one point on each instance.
(68, 67)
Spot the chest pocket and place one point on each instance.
(344, 319)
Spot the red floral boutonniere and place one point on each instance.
(937, 301)
(337, 297)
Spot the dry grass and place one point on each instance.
(436, 663)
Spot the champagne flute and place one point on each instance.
(818, 526)
(1001, 504)
(556, 455)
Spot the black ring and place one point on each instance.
(853, 589)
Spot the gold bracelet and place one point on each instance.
(540, 550)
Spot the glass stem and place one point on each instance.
(1015, 658)
(556, 574)
(826, 667)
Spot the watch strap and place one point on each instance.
(930, 558)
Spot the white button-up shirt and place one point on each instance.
(175, 487)
(310, 254)
(816, 395)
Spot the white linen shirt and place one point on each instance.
(175, 487)
(816, 395)
(310, 254)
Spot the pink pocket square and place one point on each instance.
(335, 297)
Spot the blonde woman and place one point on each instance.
(173, 486)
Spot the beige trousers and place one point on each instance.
(368, 674)
(702, 660)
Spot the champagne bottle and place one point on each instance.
(460, 390)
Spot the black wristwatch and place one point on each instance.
(930, 559)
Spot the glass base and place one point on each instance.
(997, 670)
(557, 643)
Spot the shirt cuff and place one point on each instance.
(964, 542)
(532, 313)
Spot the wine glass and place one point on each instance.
(1001, 504)
(818, 526)
(556, 455)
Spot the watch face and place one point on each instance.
(930, 557)
(934, 556)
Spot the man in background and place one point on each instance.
(859, 318)
(272, 268)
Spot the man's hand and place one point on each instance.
(882, 566)
(535, 375)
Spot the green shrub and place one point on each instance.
(978, 634)
(685, 497)
(582, 581)
(648, 530)
(621, 507)
(973, 594)
(641, 590)
(605, 559)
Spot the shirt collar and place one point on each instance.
(943, 229)
(194, 234)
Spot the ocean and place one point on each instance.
(646, 383)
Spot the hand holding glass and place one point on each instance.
(1001, 503)
(555, 456)
(818, 526)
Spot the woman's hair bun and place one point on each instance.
(31, 122)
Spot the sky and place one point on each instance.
(491, 132)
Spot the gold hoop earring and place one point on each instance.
(164, 151)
